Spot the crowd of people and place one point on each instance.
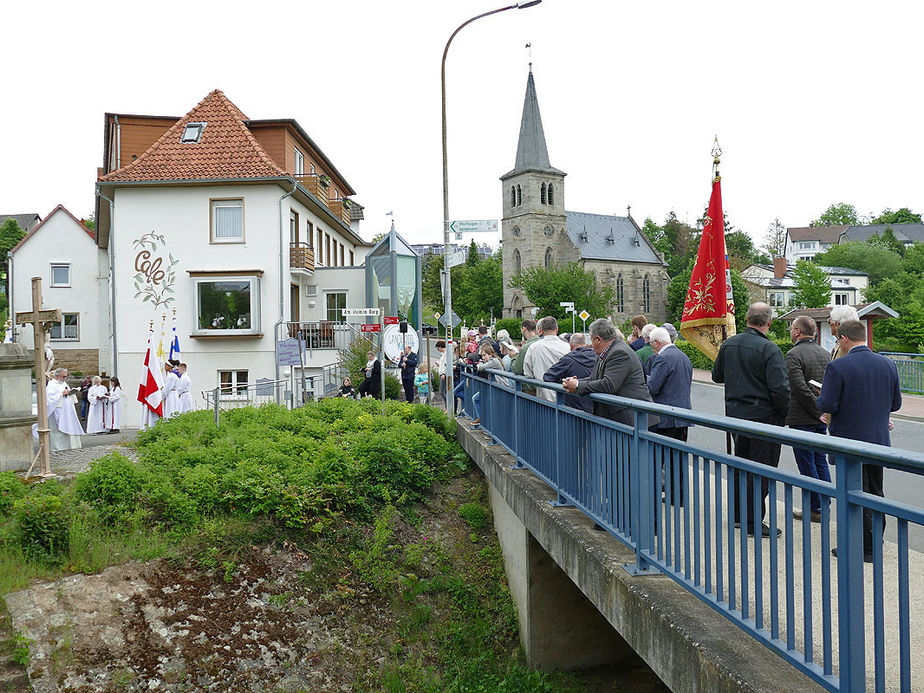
(100, 409)
(849, 392)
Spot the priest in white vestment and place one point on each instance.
(170, 398)
(183, 389)
(62, 416)
(113, 415)
(97, 396)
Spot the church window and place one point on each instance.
(542, 193)
(620, 295)
(548, 257)
(513, 196)
(646, 294)
(516, 262)
(519, 196)
(551, 200)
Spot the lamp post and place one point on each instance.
(447, 295)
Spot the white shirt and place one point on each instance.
(541, 355)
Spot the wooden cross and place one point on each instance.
(39, 318)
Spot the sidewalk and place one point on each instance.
(912, 405)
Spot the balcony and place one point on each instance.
(301, 257)
(339, 207)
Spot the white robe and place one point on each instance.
(62, 418)
(183, 393)
(171, 400)
(113, 415)
(96, 415)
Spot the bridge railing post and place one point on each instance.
(517, 389)
(641, 495)
(560, 453)
(851, 627)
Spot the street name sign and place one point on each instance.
(374, 327)
(474, 226)
(360, 312)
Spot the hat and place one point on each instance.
(472, 333)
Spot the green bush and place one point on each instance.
(697, 358)
(393, 387)
(11, 490)
(112, 485)
(512, 325)
(475, 515)
(42, 525)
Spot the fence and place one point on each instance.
(675, 505)
(910, 370)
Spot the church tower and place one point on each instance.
(534, 225)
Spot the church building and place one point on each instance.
(537, 230)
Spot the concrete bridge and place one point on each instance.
(705, 606)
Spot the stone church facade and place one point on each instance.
(537, 230)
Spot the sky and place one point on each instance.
(812, 102)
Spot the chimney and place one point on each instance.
(779, 267)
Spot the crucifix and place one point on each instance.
(40, 321)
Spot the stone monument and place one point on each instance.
(16, 417)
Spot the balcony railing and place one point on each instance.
(301, 256)
(339, 207)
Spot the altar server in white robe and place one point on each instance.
(171, 400)
(97, 396)
(62, 416)
(113, 419)
(183, 389)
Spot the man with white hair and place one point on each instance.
(543, 354)
(839, 315)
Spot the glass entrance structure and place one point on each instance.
(393, 278)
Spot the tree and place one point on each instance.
(677, 296)
(547, 287)
(838, 214)
(741, 250)
(10, 235)
(888, 240)
(90, 222)
(899, 216)
(679, 242)
(473, 257)
(478, 288)
(775, 239)
(878, 262)
(812, 285)
(430, 280)
(904, 293)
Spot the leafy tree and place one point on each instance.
(812, 286)
(677, 296)
(878, 262)
(899, 216)
(478, 289)
(678, 241)
(838, 214)
(775, 239)
(658, 238)
(888, 241)
(913, 261)
(90, 222)
(741, 251)
(430, 280)
(10, 235)
(547, 287)
(904, 293)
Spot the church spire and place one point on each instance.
(532, 153)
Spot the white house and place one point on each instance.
(775, 284)
(62, 251)
(804, 243)
(241, 226)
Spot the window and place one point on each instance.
(551, 202)
(293, 226)
(335, 302)
(227, 221)
(519, 196)
(60, 275)
(233, 384)
(351, 258)
(620, 295)
(513, 196)
(309, 232)
(341, 254)
(542, 193)
(646, 294)
(330, 261)
(806, 245)
(516, 262)
(68, 329)
(299, 163)
(319, 251)
(192, 132)
(548, 257)
(840, 299)
(776, 299)
(227, 305)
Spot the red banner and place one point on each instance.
(709, 312)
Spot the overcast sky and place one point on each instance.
(813, 102)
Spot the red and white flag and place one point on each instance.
(152, 382)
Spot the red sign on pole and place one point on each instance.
(392, 319)
(376, 327)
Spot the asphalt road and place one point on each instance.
(901, 486)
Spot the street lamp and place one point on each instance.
(447, 296)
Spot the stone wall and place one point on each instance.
(16, 417)
(84, 361)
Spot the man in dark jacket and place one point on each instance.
(756, 389)
(859, 391)
(577, 363)
(806, 361)
(408, 365)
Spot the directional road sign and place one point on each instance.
(568, 306)
(392, 319)
(474, 226)
(375, 327)
(360, 312)
(457, 257)
(455, 320)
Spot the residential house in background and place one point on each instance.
(867, 312)
(805, 242)
(230, 222)
(26, 222)
(906, 234)
(63, 252)
(775, 284)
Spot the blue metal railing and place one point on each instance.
(670, 502)
(910, 370)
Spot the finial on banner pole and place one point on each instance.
(716, 155)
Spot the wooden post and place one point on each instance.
(38, 319)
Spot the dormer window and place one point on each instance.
(192, 132)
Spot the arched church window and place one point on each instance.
(551, 198)
(542, 193)
(519, 196)
(513, 196)
(646, 294)
(516, 261)
(548, 257)
(620, 295)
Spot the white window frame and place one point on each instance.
(192, 133)
(61, 325)
(60, 265)
(253, 330)
(225, 202)
(806, 245)
(844, 299)
(237, 389)
(299, 162)
(346, 304)
(776, 299)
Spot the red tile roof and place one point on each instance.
(226, 150)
